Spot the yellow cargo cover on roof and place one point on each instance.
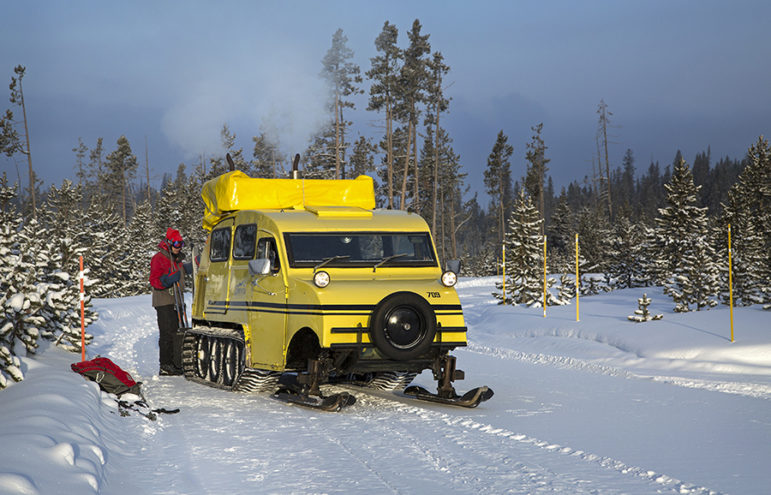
(237, 191)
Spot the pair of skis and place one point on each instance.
(179, 294)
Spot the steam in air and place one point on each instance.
(283, 97)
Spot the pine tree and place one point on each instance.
(561, 236)
(411, 92)
(524, 256)
(536, 171)
(121, 169)
(384, 74)
(236, 154)
(685, 252)
(59, 258)
(342, 77)
(267, 157)
(747, 211)
(362, 158)
(498, 180)
(320, 154)
(438, 104)
(624, 257)
(142, 243)
(642, 314)
(101, 233)
(20, 299)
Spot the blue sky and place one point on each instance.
(676, 75)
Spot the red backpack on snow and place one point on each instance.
(110, 377)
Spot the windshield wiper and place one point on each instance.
(386, 260)
(330, 260)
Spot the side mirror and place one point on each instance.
(453, 266)
(260, 266)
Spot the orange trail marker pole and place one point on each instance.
(82, 315)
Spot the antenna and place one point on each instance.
(231, 165)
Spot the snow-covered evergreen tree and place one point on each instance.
(686, 254)
(561, 237)
(101, 227)
(642, 314)
(524, 257)
(59, 260)
(142, 244)
(20, 301)
(624, 265)
(747, 211)
(593, 238)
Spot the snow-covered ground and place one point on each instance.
(603, 405)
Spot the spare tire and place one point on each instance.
(403, 326)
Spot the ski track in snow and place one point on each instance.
(747, 389)
(381, 444)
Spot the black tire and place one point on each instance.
(403, 326)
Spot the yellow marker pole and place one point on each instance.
(730, 284)
(577, 291)
(544, 276)
(503, 265)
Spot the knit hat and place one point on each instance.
(173, 236)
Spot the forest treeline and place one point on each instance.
(637, 224)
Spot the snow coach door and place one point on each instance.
(268, 308)
(218, 276)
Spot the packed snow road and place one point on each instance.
(573, 413)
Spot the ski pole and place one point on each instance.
(178, 305)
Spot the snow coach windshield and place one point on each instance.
(351, 250)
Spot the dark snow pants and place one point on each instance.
(168, 323)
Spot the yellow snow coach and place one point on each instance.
(303, 283)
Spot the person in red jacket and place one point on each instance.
(166, 270)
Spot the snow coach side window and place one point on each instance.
(220, 244)
(244, 242)
(266, 248)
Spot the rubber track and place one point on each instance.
(249, 380)
(391, 380)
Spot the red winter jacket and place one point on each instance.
(161, 267)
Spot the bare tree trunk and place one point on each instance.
(502, 211)
(338, 112)
(123, 196)
(436, 172)
(147, 168)
(441, 194)
(28, 152)
(403, 201)
(607, 167)
(416, 201)
(390, 154)
(453, 242)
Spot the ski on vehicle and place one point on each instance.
(472, 398)
(303, 389)
(444, 374)
(331, 403)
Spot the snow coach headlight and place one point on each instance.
(321, 279)
(449, 279)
